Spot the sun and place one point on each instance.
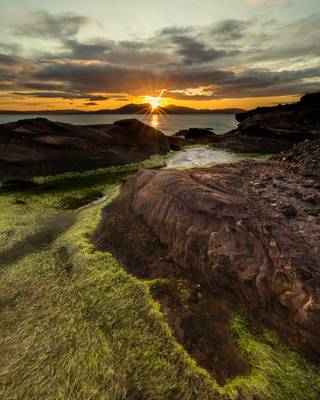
(154, 102)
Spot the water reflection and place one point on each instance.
(154, 120)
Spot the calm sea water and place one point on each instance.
(168, 124)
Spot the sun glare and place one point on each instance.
(155, 102)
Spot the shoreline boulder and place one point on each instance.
(39, 147)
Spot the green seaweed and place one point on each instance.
(75, 325)
(276, 371)
(155, 161)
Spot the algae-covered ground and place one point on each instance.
(76, 325)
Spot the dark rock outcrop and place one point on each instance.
(197, 134)
(39, 147)
(242, 237)
(274, 129)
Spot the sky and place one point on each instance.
(99, 54)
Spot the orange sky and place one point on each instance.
(7, 102)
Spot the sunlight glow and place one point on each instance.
(155, 102)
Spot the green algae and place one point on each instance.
(76, 325)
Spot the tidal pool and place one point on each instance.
(202, 156)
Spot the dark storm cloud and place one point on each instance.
(42, 24)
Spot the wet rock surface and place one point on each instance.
(39, 147)
(240, 237)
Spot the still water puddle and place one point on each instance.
(204, 156)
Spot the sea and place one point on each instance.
(168, 124)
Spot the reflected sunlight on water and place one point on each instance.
(154, 120)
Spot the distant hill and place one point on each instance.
(133, 109)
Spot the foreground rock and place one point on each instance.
(240, 237)
(274, 129)
(39, 147)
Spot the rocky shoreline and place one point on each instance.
(265, 129)
(243, 237)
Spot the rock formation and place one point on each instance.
(39, 147)
(197, 134)
(240, 237)
(274, 129)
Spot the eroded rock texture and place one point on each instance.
(39, 147)
(237, 237)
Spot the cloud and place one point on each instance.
(9, 60)
(181, 82)
(91, 103)
(62, 95)
(42, 24)
(230, 58)
(288, 42)
(195, 93)
(6, 74)
(131, 80)
(45, 86)
(195, 51)
(230, 29)
(174, 30)
(253, 83)
(122, 52)
(87, 51)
